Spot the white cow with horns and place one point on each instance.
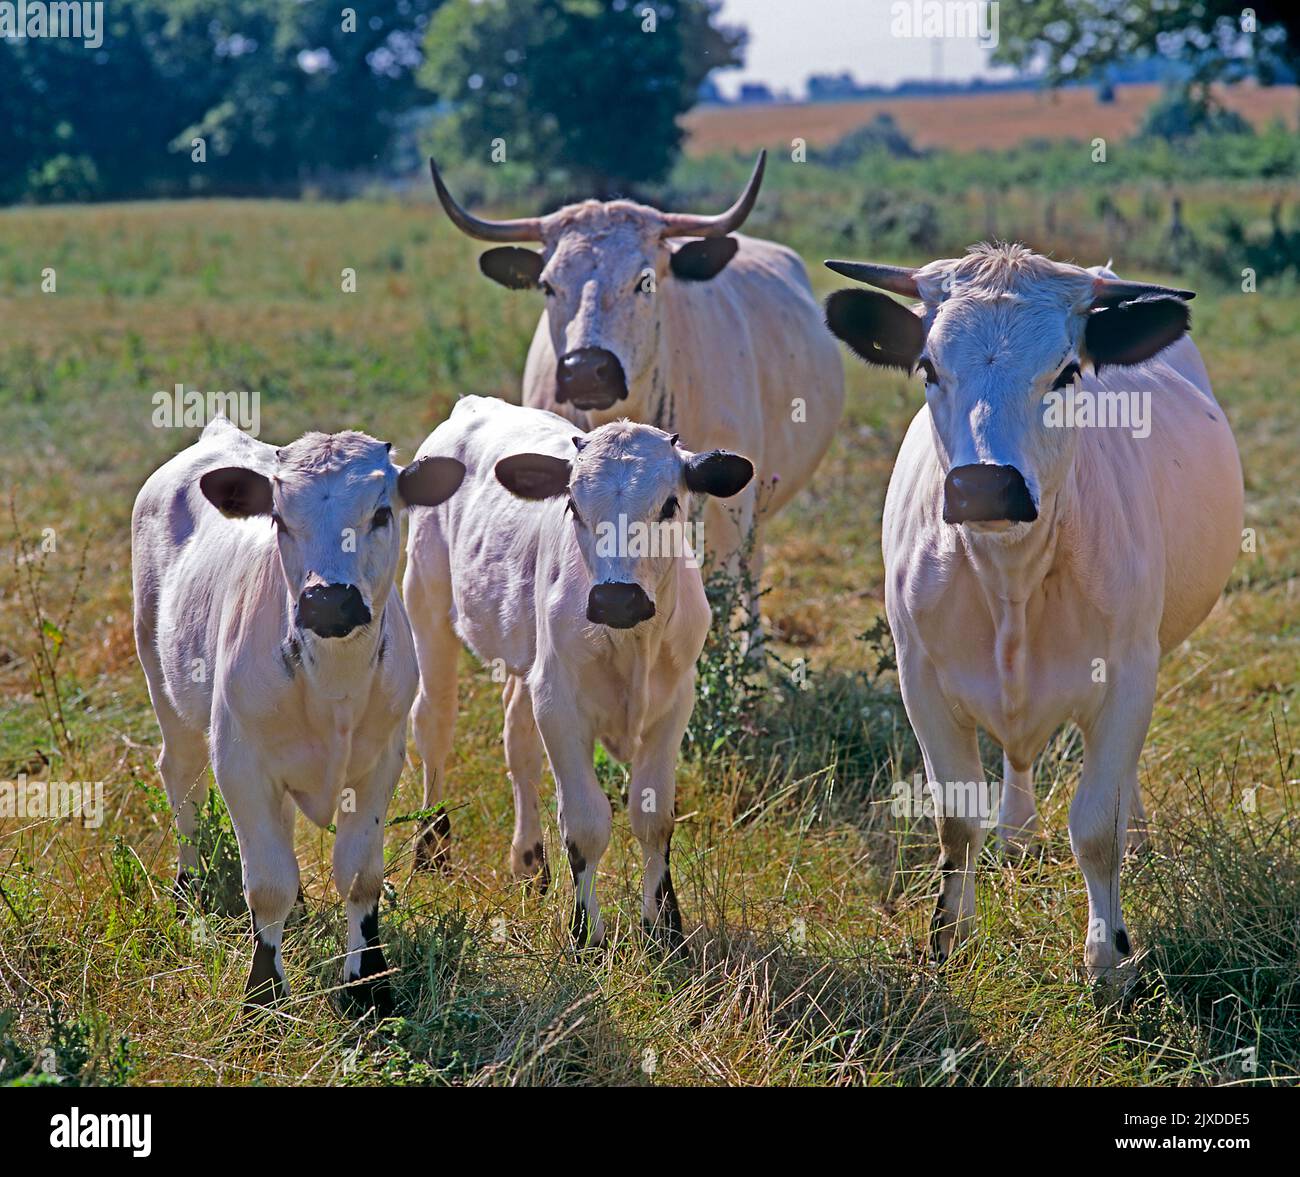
(677, 321)
(1038, 562)
(269, 627)
(565, 564)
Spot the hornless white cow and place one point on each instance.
(269, 627)
(717, 339)
(562, 563)
(1036, 568)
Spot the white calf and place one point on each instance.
(270, 631)
(560, 561)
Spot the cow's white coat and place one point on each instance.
(1019, 628)
(288, 719)
(511, 579)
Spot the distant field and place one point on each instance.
(966, 123)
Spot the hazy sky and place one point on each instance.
(789, 39)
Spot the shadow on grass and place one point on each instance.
(482, 1009)
(821, 1017)
(1218, 913)
(80, 1050)
(472, 1007)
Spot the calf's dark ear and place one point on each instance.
(534, 476)
(237, 492)
(876, 328)
(515, 268)
(430, 480)
(698, 261)
(719, 473)
(1134, 331)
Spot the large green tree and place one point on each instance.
(591, 89)
(280, 91)
(1219, 39)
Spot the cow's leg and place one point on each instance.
(427, 594)
(952, 762)
(288, 816)
(651, 808)
(266, 852)
(524, 759)
(1099, 813)
(1139, 828)
(359, 876)
(181, 764)
(584, 813)
(1017, 808)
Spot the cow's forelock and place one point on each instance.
(327, 490)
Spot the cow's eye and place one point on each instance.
(669, 509)
(572, 508)
(1068, 375)
(547, 288)
(279, 523)
(926, 368)
(383, 517)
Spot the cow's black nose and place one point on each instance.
(620, 606)
(985, 493)
(332, 610)
(590, 378)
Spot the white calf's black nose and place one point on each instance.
(619, 606)
(590, 378)
(332, 610)
(984, 492)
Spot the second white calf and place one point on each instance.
(561, 563)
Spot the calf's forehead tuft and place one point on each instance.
(351, 455)
(624, 450)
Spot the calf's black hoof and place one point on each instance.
(433, 849)
(363, 996)
(264, 986)
(667, 940)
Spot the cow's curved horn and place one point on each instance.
(523, 229)
(897, 279)
(1106, 292)
(686, 225)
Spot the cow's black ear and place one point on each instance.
(430, 480)
(534, 476)
(719, 473)
(1134, 331)
(237, 491)
(876, 328)
(515, 268)
(698, 261)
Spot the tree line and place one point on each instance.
(268, 96)
(230, 97)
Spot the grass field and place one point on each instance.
(808, 896)
(975, 122)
